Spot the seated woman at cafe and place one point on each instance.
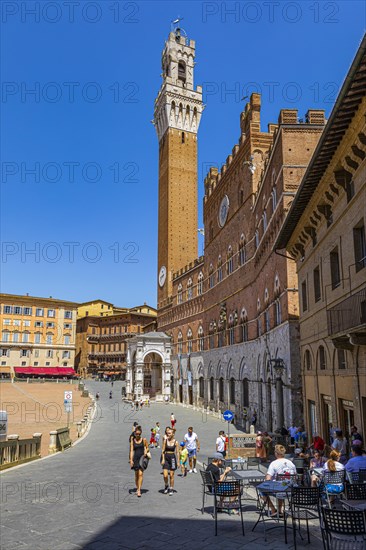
(316, 463)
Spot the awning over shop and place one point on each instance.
(45, 371)
(5, 370)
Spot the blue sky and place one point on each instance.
(80, 156)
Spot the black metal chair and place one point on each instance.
(303, 505)
(333, 485)
(227, 494)
(362, 475)
(343, 529)
(356, 491)
(207, 486)
(253, 461)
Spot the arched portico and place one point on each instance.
(149, 367)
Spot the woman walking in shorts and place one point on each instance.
(169, 455)
(138, 449)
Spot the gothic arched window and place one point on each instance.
(182, 71)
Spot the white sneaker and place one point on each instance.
(194, 470)
(166, 490)
(190, 472)
(171, 492)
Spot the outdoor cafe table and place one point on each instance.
(355, 504)
(277, 489)
(244, 475)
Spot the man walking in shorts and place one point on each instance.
(192, 446)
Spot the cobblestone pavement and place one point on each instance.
(84, 498)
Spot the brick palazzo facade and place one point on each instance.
(233, 313)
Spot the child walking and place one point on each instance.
(183, 458)
(152, 437)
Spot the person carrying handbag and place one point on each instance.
(139, 457)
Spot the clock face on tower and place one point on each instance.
(162, 276)
(223, 211)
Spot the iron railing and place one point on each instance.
(347, 314)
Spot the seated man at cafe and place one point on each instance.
(280, 466)
(215, 468)
(357, 461)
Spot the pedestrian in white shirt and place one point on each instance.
(280, 466)
(340, 445)
(221, 443)
(192, 446)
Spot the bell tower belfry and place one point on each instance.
(177, 115)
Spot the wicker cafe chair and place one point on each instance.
(344, 529)
(303, 505)
(228, 494)
(207, 485)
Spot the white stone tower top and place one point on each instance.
(178, 104)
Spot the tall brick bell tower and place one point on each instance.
(177, 115)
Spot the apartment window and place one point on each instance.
(230, 262)
(341, 359)
(8, 309)
(64, 364)
(3, 362)
(6, 322)
(200, 284)
(49, 353)
(201, 342)
(5, 353)
(219, 270)
(189, 341)
(51, 313)
(180, 294)
(50, 325)
(65, 355)
(36, 363)
(359, 244)
(259, 327)
(17, 310)
(39, 312)
(267, 320)
(38, 324)
(36, 353)
(49, 338)
(16, 322)
(322, 359)
(23, 353)
(27, 311)
(25, 338)
(47, 363)
(189, 289)
(67, 340)
(274, 198)
(307, 360)
(26, 323)
(317, 290)
(180, 343)
(37, 338)
(68, 314)
(16, 337)
(335, 272)
(304, 296)
(278, 314)
(24, 363)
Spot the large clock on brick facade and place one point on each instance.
(162, 276)
(223, 211)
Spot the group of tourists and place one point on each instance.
(174, 454)
(140, 403)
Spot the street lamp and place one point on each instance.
(279, 368)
